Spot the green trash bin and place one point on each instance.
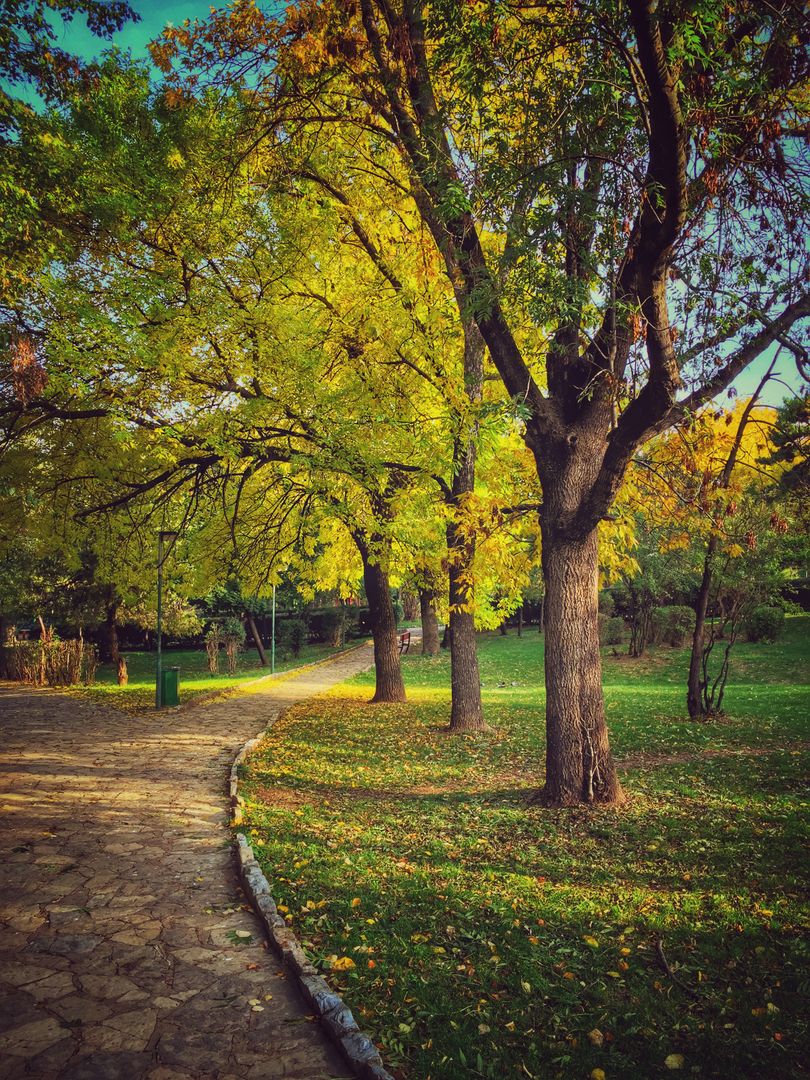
(170, 686)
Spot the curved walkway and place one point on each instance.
(125, 950)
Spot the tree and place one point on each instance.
(706, 505)
(626, 174)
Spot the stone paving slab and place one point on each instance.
(126, 949)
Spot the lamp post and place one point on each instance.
(169, 538)
(273, 636)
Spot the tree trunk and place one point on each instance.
(694, 685)
(520, 621)
(579, 765)
(388, 672)
(445, 643)
(466, 712)
(108, 653)
(430, 624)
(410, 604)
(256, 637)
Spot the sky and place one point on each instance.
(76, 38)
(155, 15)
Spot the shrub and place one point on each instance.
(233, 635)
(51, 663)
(213, 640)
(765, 623)
(607, 605)
(611, 630)
(292, 635)
(672, 624)
(333, 625)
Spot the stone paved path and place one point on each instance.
(119, 953)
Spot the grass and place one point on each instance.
(195, 679)
(477, 937)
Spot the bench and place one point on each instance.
(405, 641)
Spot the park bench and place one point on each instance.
(405, 641)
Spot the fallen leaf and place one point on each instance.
(674, 1061)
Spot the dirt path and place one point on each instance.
(123, 949)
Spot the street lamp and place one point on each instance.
(273, 636)
(169, 538)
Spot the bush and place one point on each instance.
(292, 635)
(333, 625)
(233, 637)
(765, 623)
(607, 605)
(51, 663)
(213, 640)
(672, 624)
(611, 630)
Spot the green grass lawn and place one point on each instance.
(195, 679)
(493, 939)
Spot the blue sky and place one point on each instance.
(75, 37)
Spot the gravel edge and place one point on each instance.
(333, 1013)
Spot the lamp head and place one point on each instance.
(167, 536)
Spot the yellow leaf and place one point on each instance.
(597, 1074)
(356, 902)
(674, 1061)
(343, 963)
(594, 944)
(596, 1037)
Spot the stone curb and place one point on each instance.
(335, 1016)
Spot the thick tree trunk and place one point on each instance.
(254, 630)
(579, 765)
(694, 684)
(466, 712)
(388, 672)
(430, 624)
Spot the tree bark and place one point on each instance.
(694, 684)
(466, 711)
(254, 630)
(579, 765)
(389, 686)
(430, 624)
(109, 635)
